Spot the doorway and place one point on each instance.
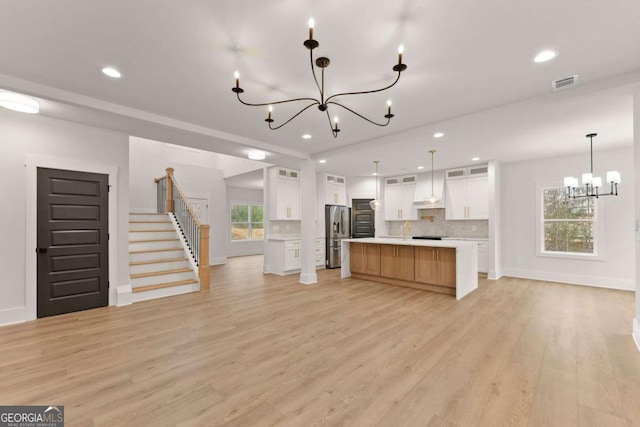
(363, 218)
(72, 241)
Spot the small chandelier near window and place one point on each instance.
(432, 199)
(375, 203)
(592, 183)
(322, 102)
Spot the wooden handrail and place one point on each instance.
(204, 272)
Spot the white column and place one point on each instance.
(495, 206)
(266, 216)
(636, 169)
(308, 217)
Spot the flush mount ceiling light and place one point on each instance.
(375, 203)
(322, 161)
(438, 135)
(432, 199)
(420, 167)
(111, 72)
(545, 55)
(256, 155)
(18, 102)
(592, 184)
(323, 102)
(475, 159)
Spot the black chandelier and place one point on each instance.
(591, 183)
(323, 103)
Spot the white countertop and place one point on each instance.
(413, 242)
(284, 239)
(476, 239)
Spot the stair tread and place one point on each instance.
(153, 240)
(158, 261)
(160, 273)
(156, 250)
(163, 285)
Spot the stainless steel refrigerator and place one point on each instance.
(337, 227)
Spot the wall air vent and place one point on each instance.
(564, 83)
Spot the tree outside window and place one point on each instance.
(246, 222)
(568, 224)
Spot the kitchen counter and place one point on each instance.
(466, 263)
(283, 239)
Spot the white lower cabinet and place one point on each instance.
(285, 256)
(483, 252)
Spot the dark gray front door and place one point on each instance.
(362, 218)
(73, 241)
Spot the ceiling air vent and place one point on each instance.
(564, 83)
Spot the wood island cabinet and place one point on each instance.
(436, 266)
(397, 262)
(365, 258)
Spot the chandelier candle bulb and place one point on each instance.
(597, 182)
(389, 107)
(587, 178)
(400, 52)
(568, 181)
(237, 76)
(613, 177)
(312, 24)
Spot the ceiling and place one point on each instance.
(470, 74)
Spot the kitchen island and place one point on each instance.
(449, 267)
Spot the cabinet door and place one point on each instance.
(292, 259)
(478, 198)
(426, 266)
(456, 200)
(357, 259)
(407, 212)
(446, 259)
(372, 259)
(392, 203)
(282, 199)
(293, 198)
(388, 261)
(405, 256)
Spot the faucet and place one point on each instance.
(404, 229)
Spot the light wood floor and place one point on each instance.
(265, 350)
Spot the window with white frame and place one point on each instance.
(569, 226)
(246, 222)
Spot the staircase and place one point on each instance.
(158, 263)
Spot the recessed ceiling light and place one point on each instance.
(375, 174)
(475, 159)
(111, 72)
(322, 161)
(257, 155)
(18, 102)
(438, 135)
(420, 167)
(306, 136)
(545, 55)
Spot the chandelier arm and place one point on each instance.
(365, 91)
(333, 132)
(315, 101)
(359, 115)
(294, 116)
(313, 71)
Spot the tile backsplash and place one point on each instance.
(440, 226)
(284, 228)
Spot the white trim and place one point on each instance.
(218, 260)
(573, 279)
(598, 229)
(494, 274)
(308, 279)
(124, 295)
(32, 163)
(636, 333)
(10, 316)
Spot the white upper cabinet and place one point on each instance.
(285, 193)
(467, 194)
(423, 190)
(399, 192)
(335, 190)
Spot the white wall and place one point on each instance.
(518, 218)
(22, 135)
(244, 195)
(636, 157)
(149, 159)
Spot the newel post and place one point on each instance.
(169, 201)
(203, 270)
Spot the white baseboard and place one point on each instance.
(308, 278)
(218, 260)
(494, 274)
(10, 316)
(124, 295)
(573, 279)
(636, 332)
